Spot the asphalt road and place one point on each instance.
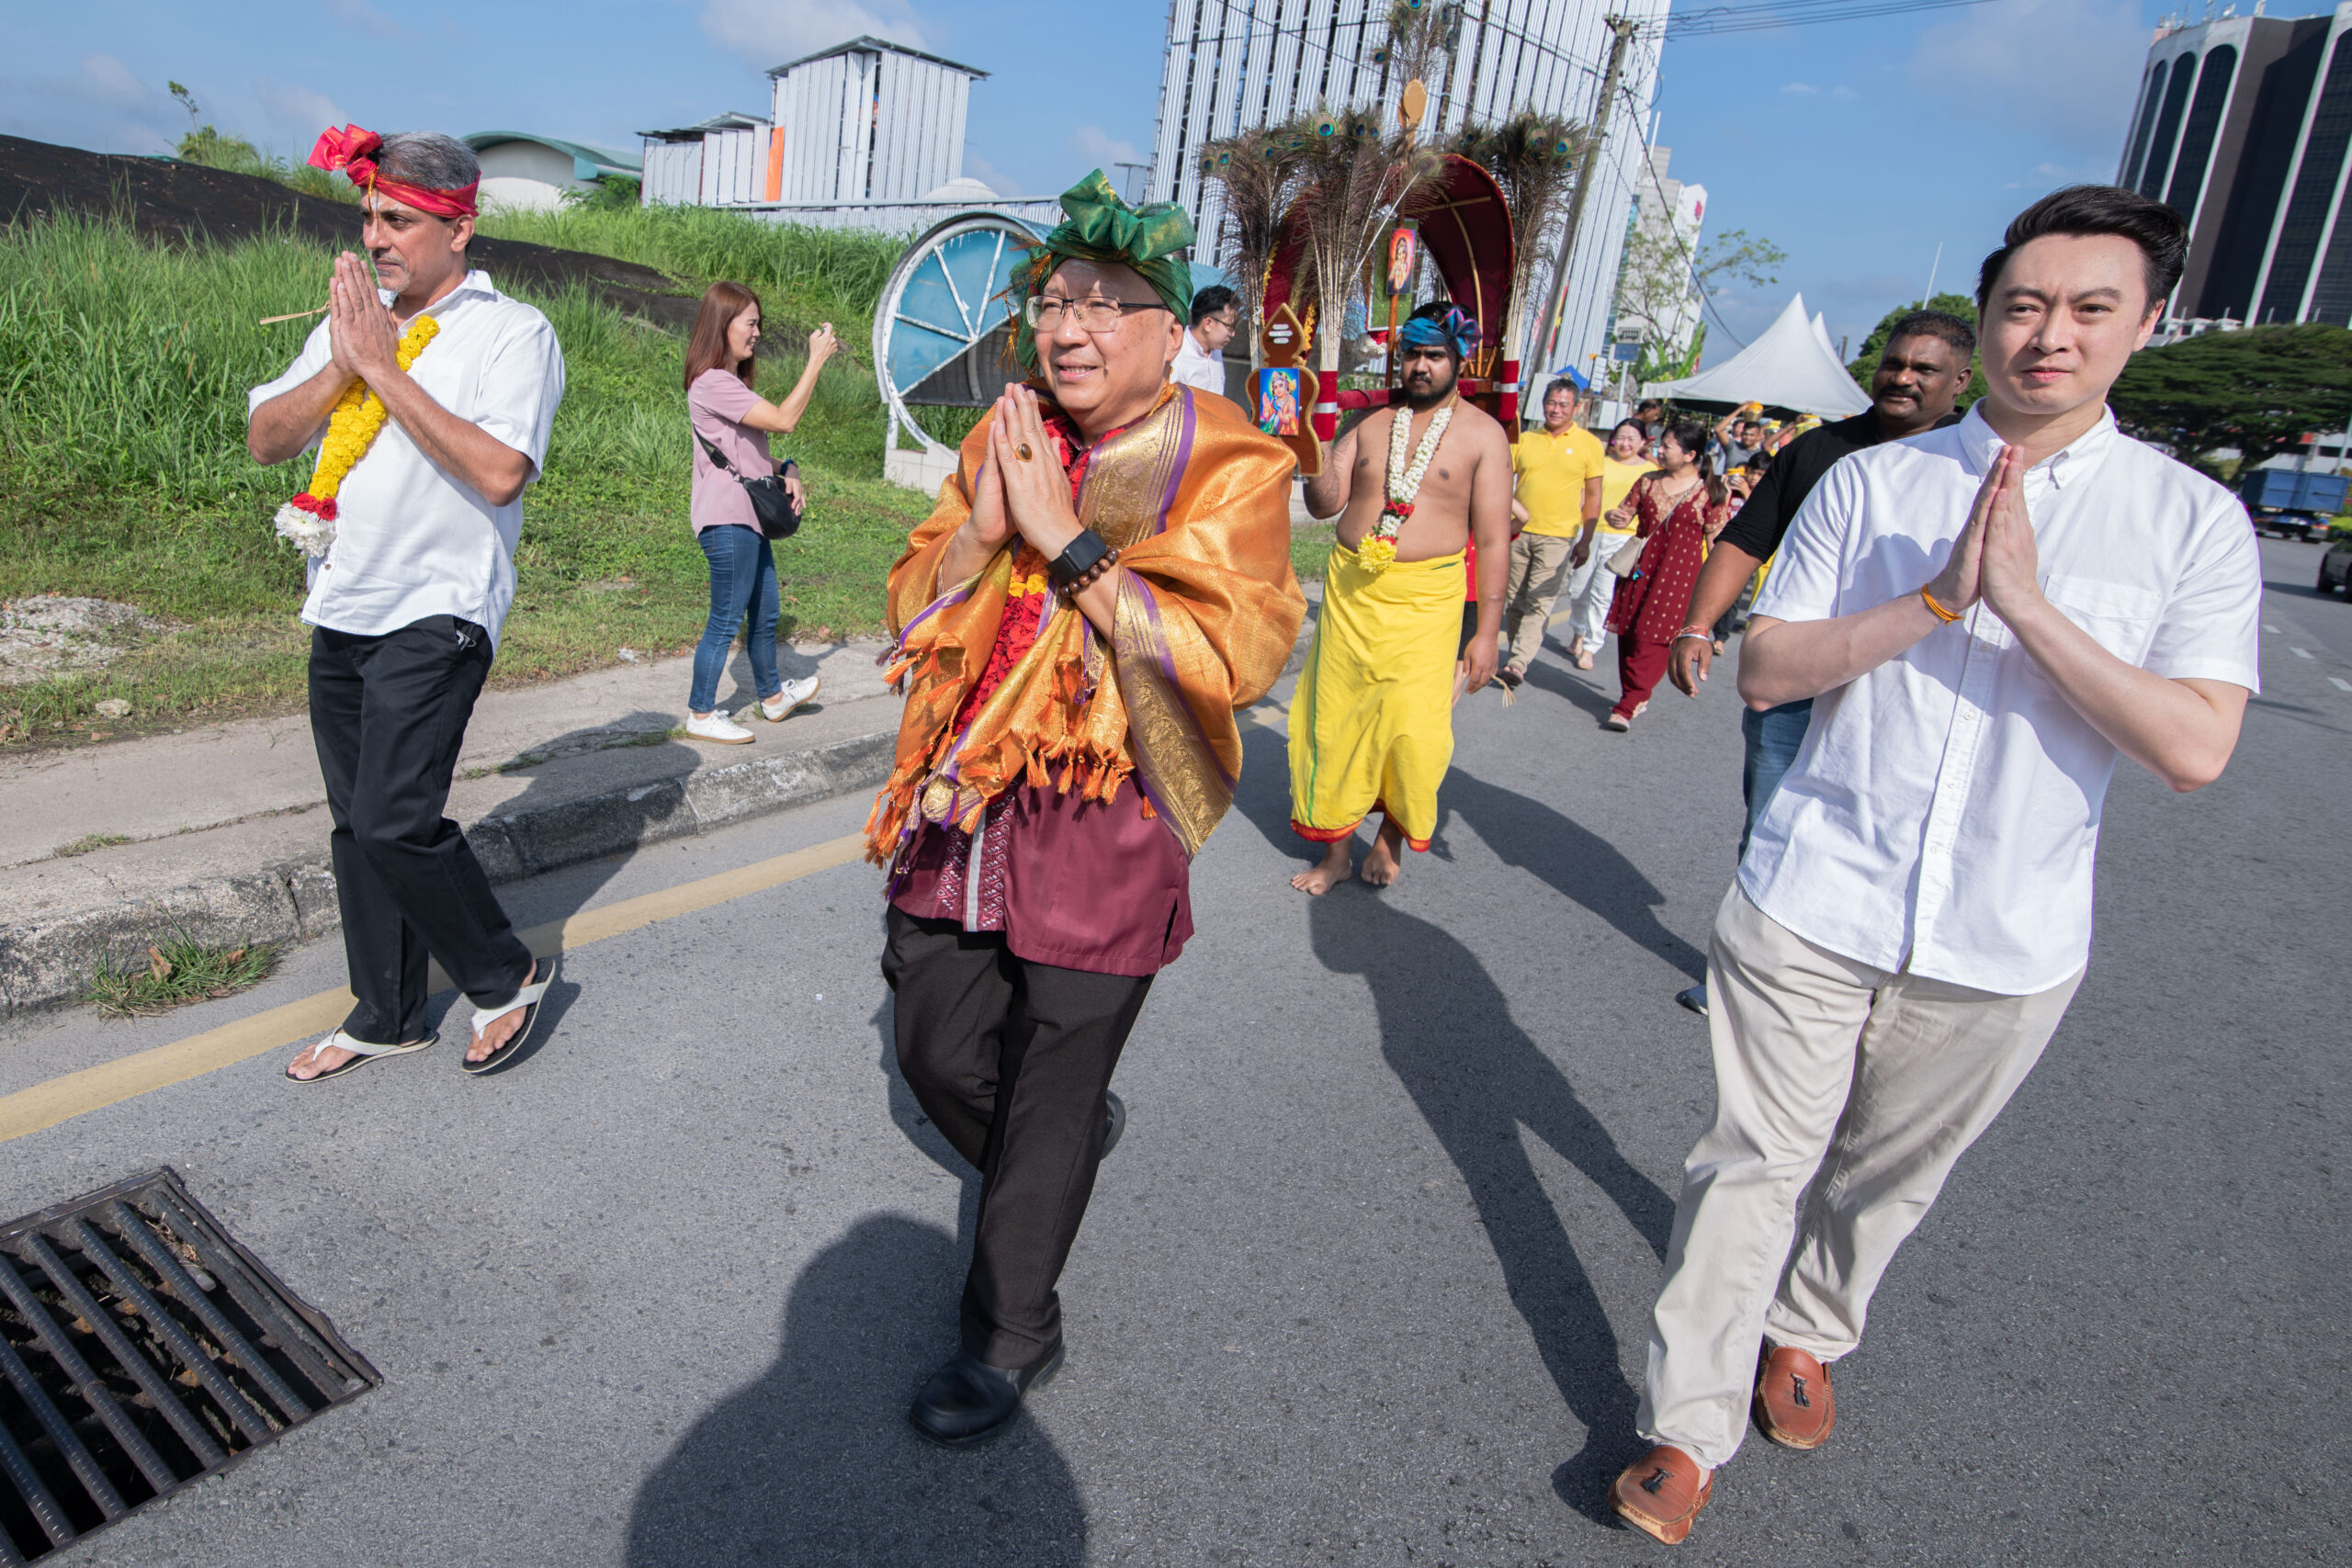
(1368, 1280)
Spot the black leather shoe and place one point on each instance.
(1117, 1119)
(968, 1399)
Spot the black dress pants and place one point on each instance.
(1011, 1060)
(388, 714)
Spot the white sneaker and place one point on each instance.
(795, 695)
(716, 726)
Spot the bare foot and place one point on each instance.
(1383, 865)
(1330, 870)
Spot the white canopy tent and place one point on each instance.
(1791, 366)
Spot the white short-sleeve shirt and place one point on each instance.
(409, 540)
(1943, 812)
(1196, 366)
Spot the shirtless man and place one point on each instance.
(1372, 721)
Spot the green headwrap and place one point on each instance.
(1102, 228)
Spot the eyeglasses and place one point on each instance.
(1044, 312)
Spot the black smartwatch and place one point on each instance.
(1077, 560)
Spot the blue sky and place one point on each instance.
(1857, 147)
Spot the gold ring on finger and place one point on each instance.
(1023, 452)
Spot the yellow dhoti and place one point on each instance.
(1373, 722)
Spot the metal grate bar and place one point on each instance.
(86, 1383)
(133, 1229)
(248, 1420)
(61, 1432)
(152, 1383)
(26, 1481)
(283, 1331)
(206, 1355)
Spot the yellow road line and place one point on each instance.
(110, 1083)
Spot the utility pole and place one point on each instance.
(1547, 326)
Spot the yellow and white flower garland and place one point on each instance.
(308, 520)
(1378, 551)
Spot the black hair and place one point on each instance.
(1937, 324)
(1639, 429)
(1690, 435)
(1210, 300)
(1561, 383)
(2148, 223)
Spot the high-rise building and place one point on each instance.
(1657, 300)
(1238, 64)
(2242, 125)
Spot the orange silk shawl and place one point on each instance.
(1196, 500)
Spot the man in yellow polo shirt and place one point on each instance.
(1557, 500)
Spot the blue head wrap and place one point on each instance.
(1456, 330)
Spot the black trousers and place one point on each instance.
(388, 714)
(1011, 1061)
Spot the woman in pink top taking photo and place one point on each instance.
(728, 414)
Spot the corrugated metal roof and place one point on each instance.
(729, 120)
(587, 161)
(867, 43)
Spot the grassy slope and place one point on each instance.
(123, 372)
(124, 366)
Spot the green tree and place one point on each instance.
(205, 144)
(1864, 365)
(2259, 391)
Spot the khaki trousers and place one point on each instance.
(1538, 565)
(1849, 1087)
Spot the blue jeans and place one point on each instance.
(1772, 737)
(742, 578)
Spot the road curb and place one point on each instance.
(46, 960)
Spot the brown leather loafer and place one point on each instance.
(1793, 1405)
(1661, 1493)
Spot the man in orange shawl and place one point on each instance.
(1104, 580)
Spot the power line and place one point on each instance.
(1772, 13)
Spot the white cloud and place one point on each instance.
(1096, 146)
(1801, 90)
(296, 114)
(979, 168)
(363, 18)
(101, 105)
(769, 33)
(109, 80)
(1995, 63)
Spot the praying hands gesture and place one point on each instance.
(365, 338)
(1025, 494)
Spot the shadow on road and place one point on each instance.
(1578, 863)
(1447, 1033)
(814, 1463)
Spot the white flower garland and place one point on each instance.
(1379, 549)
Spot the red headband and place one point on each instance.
(347, 151)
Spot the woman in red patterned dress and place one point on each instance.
(1679, 508)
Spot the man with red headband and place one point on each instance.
(429, 400)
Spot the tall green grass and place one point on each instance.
(124, 369)
(803, 276)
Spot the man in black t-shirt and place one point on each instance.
(1918, 380)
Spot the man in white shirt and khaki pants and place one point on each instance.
(1988, 615)
(409, 599)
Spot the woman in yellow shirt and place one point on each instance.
(1589, 590)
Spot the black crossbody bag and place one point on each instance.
(771, 503)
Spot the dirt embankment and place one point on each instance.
(187, 201)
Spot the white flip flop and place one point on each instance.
(529, 999)
(362, 1053)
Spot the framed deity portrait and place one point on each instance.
(1278, 401)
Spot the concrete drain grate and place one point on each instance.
(142, 1348)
